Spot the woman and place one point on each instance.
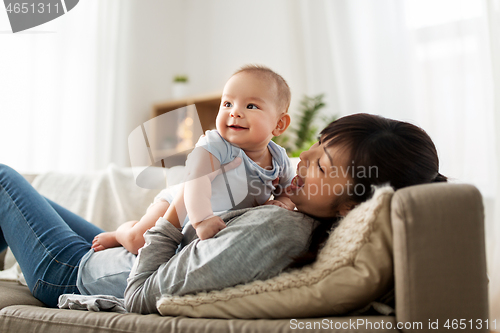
(258, 243)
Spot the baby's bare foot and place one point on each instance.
(209, 227)
(104, 241)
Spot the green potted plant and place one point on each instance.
(305, 132)
(180, 86)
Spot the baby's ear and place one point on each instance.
(282, 124)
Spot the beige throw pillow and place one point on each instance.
(354, 268)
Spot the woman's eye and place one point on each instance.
(320, 168)
(227, 104)
(252, 106)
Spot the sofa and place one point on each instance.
(438, 277)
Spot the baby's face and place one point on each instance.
(248, 113)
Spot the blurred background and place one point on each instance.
(73, 89)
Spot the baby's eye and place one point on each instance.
(227, 104)
(252, 106)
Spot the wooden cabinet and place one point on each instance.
(165, 137)
(206, 105)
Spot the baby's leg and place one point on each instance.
(131, 234)
(158, 209)
(176, 213)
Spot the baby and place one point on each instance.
(253, 109)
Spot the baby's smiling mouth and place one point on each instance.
(237, 127)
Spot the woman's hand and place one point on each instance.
(104, 241)
(281, 200)
(279, 204)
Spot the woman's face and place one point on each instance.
(322, 182)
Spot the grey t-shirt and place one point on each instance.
(257, 244)
(105, 272)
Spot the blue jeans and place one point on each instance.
(47, 240)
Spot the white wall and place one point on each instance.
(208, 41)
(153, 52)
(315, 52)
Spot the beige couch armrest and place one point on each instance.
(30, 177)
(439, 255)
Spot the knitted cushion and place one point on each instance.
(353, 269)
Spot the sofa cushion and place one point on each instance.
(12, 293)
(2, 258)
(35, 319)
(354, 268)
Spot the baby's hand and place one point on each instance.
(278, 203)
(104, 241)
(209, 228)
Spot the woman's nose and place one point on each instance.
(304, 156)
(310, 154)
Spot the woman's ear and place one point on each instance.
(282, 124)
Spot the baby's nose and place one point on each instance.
(235, 114)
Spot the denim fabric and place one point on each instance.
(47, 240)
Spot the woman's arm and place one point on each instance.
(142, 289)
(257, 244)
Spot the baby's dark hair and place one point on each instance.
(397, 153)
(284, 95)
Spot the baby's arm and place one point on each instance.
(202, 167)
(130, 234)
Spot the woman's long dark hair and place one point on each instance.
(396, 153)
